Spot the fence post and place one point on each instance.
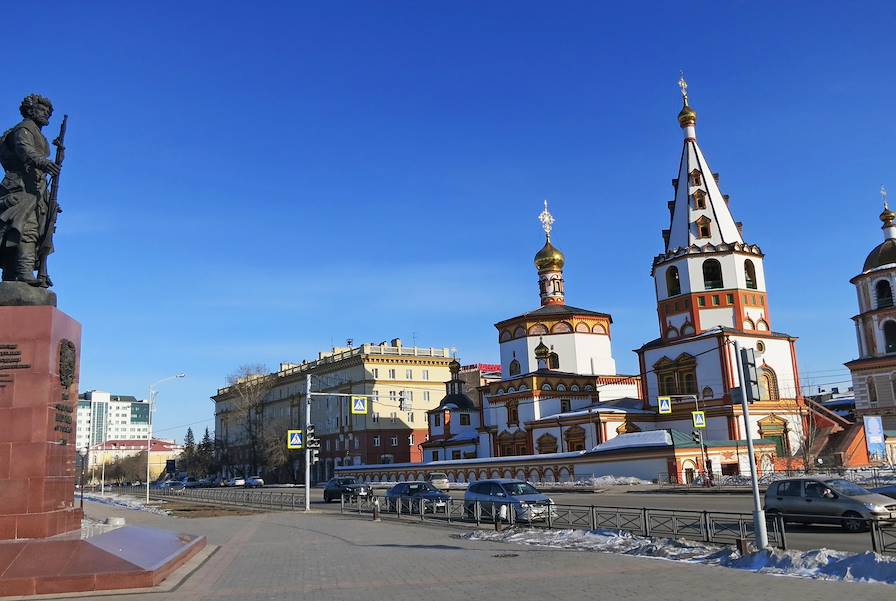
(342, 503)
(551, 516)
(645, 518)
(707, 528)
(477, 513)
(422, 507)
(593, 516)
(398, 507)
(782, 534)
(874, 532)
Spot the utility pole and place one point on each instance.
(307, 450)
(759, 528)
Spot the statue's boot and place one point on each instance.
(44, 281)
(25, 266)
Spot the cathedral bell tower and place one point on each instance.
(549, 261)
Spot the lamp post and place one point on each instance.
(152, 393)
(83, 452)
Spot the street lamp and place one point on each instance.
(83, 452)
(152, 394)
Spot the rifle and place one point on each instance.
(45, 247)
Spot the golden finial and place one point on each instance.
(687, 117)
(683, 85)
(883, 194)
(547, 220)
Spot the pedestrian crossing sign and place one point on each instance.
(699, 419)
(294, 440)
(665, 404)
(359, 405)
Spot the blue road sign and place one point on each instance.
(665, 404)
(359, 405)
(294, 439)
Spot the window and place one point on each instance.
(673, 283)
(564, 405)
(376, 441)
(513, 413)
(696, 180)
(768, 384)
(699, 199)
(712, 274)
(375, 372)
(890, 337)
(701, 300)
(554, 361)
(327, 444)
(872, 390)
(394, 417)
(393, 396)
(425, 395)
(730, 299)
(689, 383)
(410, 439)
(703, 229)
(411, 416)
(707, 392)
(514, 368)
(394, 441)
(391, 374)
(750, 274)
(425, 374)
(546, 444)
(435, 455)
(436, 419)
(357, 443)
(464, 419)
(455, 454)
(409, 374)
(376, 417)
(715, 300)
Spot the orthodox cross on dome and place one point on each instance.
(884, 195)
(547, 220)
(683, 85)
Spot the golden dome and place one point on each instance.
(542, 351)
(687, 117)
(887, 216)
(549, 258)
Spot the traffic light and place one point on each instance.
(313, 458)
(749, 377)
(696, 437)
(311, 441)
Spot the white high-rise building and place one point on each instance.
(103, 416)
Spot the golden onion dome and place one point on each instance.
(887, 216)
(687, 117)
(549, 258)
(454, 366)
(542, 351)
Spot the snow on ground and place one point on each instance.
(123, 501)
(821, 564)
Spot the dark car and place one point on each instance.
(345, 485)
(414, 493)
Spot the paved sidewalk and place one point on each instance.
(293, 556)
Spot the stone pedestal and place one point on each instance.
(39, 361)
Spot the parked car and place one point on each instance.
(417, 492)
(438, 479)
(827, 501)
(336, 487)
(889, 491)
(500, 496)
(254, 482)
(170, 485)
(190, 482)
(236, 482)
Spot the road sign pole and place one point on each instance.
(307, 450)
(758, 514)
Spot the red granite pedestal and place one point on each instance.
(39, 362)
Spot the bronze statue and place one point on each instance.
(28, 204)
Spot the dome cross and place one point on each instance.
(547, 220)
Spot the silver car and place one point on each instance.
(503, 496)
(829, 501)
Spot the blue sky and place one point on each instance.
(251, 185)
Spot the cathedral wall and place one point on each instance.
(777, 356)
(578, 353)
(708, 365)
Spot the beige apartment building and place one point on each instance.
(403, 383)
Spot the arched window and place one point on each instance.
(707, 392)
(712, 274)
(689, 383)
(703, 229)
(872, 390)
(749, 325)
(547, 444)
(750, 274)
(884, 294)
(673, 284)
(699, 199)
(514, 368)
(890, 337)
(768, 384)
(553, 361)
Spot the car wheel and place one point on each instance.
(853, 522)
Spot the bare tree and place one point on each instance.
(276, 457)
(249, 386)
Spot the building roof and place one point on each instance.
(881, 255)
(713, 332)
(460, 401)
(130, 444)
(548, 311)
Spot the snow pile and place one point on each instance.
(124, 501)
(820, 564)
(594, 481)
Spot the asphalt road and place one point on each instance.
(798, 536)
